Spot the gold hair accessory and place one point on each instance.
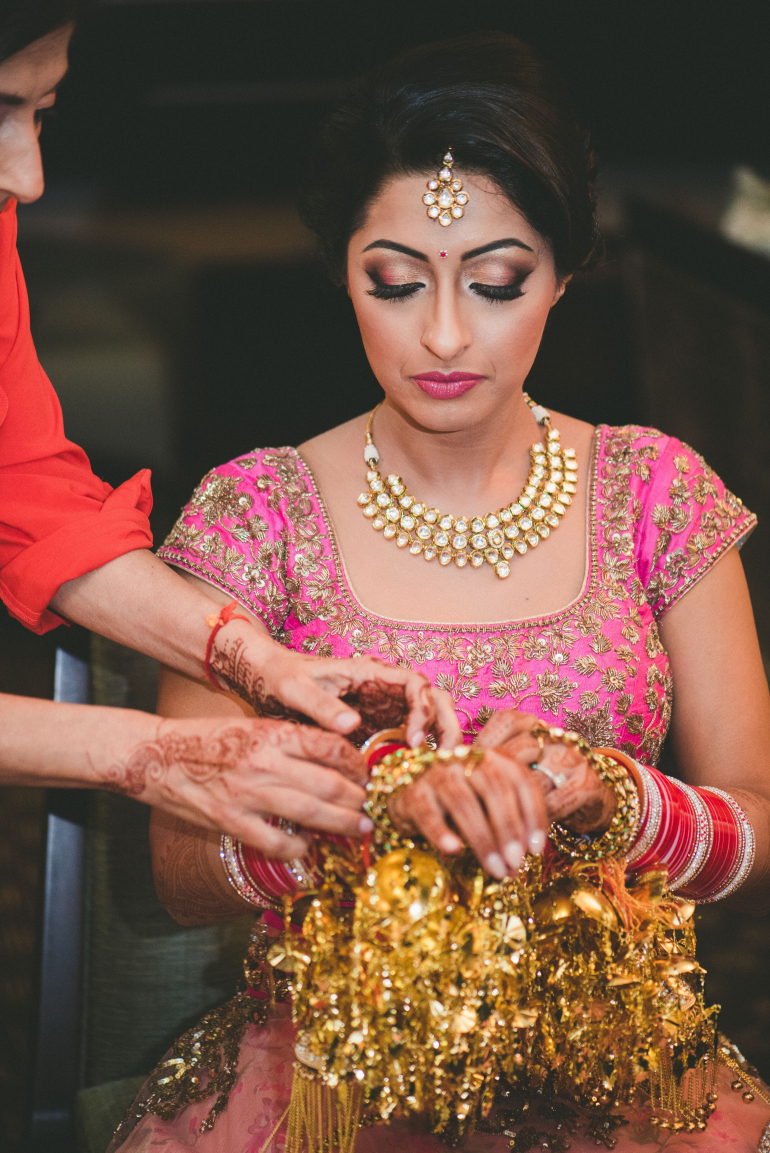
(445, 197)
(495, 538)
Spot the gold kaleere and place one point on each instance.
(422, 985)
(495, 538)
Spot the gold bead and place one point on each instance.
(736, 1086)
(748, 1097)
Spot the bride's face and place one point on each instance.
(451, 318)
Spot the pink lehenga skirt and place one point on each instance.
(254, 1119)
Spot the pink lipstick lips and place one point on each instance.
(446, 385)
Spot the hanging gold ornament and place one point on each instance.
(445, 199)
(422, 985)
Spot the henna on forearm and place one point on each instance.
(186, 876)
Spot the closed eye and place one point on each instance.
(383, 291)
(499, 292)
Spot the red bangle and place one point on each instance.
(226, 615)
(701, 835)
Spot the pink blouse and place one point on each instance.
(658, 520)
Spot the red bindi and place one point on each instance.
(443, 254)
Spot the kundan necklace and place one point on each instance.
(494, 538)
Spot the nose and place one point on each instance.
(21, 165)
(446, 335)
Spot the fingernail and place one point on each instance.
(514, 854)
(496, 866)
(449, 844)
(365, 825)
(418, 738)
(347, 719)
(537, 841)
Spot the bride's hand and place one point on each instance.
(356, 696)
(581, 801)
(496, 806)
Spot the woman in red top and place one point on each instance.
(73, 548)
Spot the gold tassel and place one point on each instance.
(322, 1118)
(683, 1105)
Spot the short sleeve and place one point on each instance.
(232, 534)
(689, 519)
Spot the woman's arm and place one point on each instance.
(720, 732)
(141, 602)
(720, 728)
(189, 876)
(221, 772)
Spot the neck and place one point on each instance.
(471, 470)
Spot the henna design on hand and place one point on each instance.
(233, 668)
(381, 706)
(203, 758)
(200, 759)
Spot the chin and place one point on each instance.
(447, 415)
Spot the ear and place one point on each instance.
(560, 287)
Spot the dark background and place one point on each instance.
(180, 314)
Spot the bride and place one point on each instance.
(530, 565)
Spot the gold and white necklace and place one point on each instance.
(494, 538)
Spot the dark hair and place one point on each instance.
(24, 21)
(501, 109)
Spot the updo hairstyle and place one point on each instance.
(504, 113)
(22, 22)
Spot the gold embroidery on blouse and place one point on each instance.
(489, 654)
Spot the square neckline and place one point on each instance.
(345, 585)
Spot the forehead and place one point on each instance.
(37, 68)
(398, 213)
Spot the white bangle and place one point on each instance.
(652, 812)
(240, 879)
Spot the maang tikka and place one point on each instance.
(445, 197)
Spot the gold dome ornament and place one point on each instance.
(493, 539)
(445, 198)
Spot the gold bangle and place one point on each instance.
(617, 839)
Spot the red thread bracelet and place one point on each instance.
(226, 615)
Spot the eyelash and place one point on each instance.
(42, 114)
(494, 293)
(383, 291)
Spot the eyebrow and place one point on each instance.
(16, 101)
(510, 242)
(391, 244)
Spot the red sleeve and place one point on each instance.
(57, 520)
